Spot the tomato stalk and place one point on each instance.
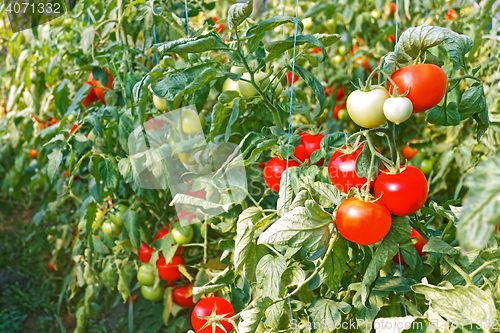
(459, 270)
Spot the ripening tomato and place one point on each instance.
(340, 94)
(152, 294)
(426, 166)
(391, 39)
(398, 109)
(161, 233)
(145, 252)
(367, 108)
(146, 275)
(409, 153)
(342, 170)
(170, 271)
(220, 27)
(273, 170)
(451, 15)
(295, 77)
(308, 144)
(419, 246)
(362, 222)
(426, 83)
(393, 7)
(74, 128)
(363, 61)
(33, 153)
(403, 193)
(99, 91)
(212, 306)
(183, 296)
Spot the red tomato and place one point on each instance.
(99, 91)
(51, 266)
(216, 307)
(426, 83)
(262, 165)
(145, 253)
(409, 152)
(33, 153)
(308, 144)
(220, 27)
(403, 193)
(419, 246)
(342, 170)
(74, 128)
(170, 271)
(161, 233)
(451, 15)
(66, 173)
(391, 39)
(183, 296)
(273, 170)
(295, 78)
(393, 7)
(316, 50)
(91, 96)
(362, 222)
(340, 93)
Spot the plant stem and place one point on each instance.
(471, 275)
(459, 270)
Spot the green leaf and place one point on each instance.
(333, 140)
(335, 264)
(238, 13)
(471, 101)
(457, 46)
(272, 23)
(55, 159)
(481, 209)
(99, 245)
(269, 271)
(326, 195)
(287, 191)
(109, 172)
(132, 224)
(400, 232)
(363, 163)
(199, 44)
(234, 116)
(244, 250)
(392, 283)
(304, 227)
(439, 246)
(108, 275)
(227, 96)
(219, 115)
(442, 115)
(124, 277)
(167, 305)
(251, 318)
(328, 313)
(87, 39)
(168, 247)
(313, 82)
(125, 127)
(277, 48)
(293, 276)
(459, 304)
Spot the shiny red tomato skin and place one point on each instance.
(308, 144)
(419, 246)
(170, 271)
(91, 96)
(145, 253)
(342, 171)
(403, 193)
(161, 233)
(361, 222)
(205, 308)
(183, 296)
(100, 92)
(426, 83)
(273, 170)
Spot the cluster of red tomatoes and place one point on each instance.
(97, 93)
(45, 123)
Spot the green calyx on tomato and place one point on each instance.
(183, 235)
(366, 108)
(146, 275)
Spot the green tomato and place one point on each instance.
(180, 238)
(376, 14)
(344, 115)
(237, 69)
(71, 118)
(230, 85)
(160, 103)
(426, 166)
(152, 294)
(116, 214)
(337, 59)
(247, 89)
(342, 50)
(168, 61)
(367, 108)
(308, 23)
(191, 122)
(146, 275)
(111, 230)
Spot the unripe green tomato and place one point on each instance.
(247, 89)
(116, 214)
(71, 118)
(230, 85)
(308, 23)
(111, 230)
(342, 50)
(146, 275)
(68, 23)
(376, 14)
(337, 59)
(180, 238)
(191, 122)
(160, 103)
(426, 166)
(344, 115)
(237, 69)
(152, 294)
